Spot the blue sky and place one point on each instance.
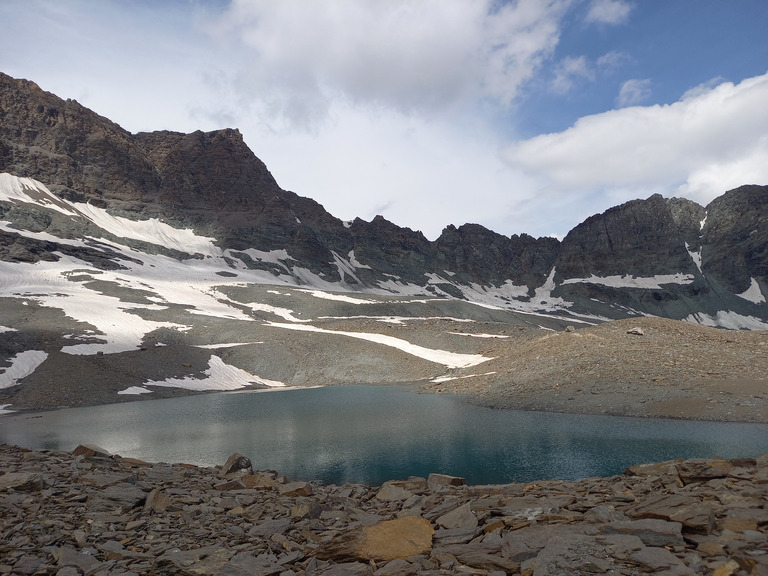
(523, 116)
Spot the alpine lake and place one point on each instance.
(371, 434)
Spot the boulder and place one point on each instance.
(294, 489)
(91, 451)
(236, 463)
(385, 541)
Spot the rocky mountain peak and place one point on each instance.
(645, 236)
(207, 170)
(668, 257)
(736, 238)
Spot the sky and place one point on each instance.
(525, 116)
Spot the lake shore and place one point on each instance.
(641, 367)
(87, 511)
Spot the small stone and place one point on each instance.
(727, 569)
(711, 549)
(80, 537)
(258, 481)
(229, 485)
(390, 492)
(736, 524)
(91, 451)
(294, 489)
(397, 567)
(156, 502)
(437, 480)
(206, 560)
(462, 517)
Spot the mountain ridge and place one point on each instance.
(703, 258)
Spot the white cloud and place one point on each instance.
(699, 147)
(609, 11)
(612, 60)
(633, 92)
(416, 172)
(568, 71)
(299, 55)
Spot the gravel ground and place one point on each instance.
(672, 370)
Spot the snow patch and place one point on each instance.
(4, 409)
(131, 390)
(284, 313)
(345, 268)
(336, 297)
(29, 191)
(277, 257)
(627, 281)
(397, 319)
(479, 335)
(152, 231)
(695, 256)
(6, 329)
(730, 320)
(22, 365)
(441, 379)
(753, 293)
(225, 345)
(219, 376)
(354, 262)
(448, 359)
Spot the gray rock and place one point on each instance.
(236, 463)
(391, 492)
(460, 518)
(22, 481)
(436, 480)
(651, 532)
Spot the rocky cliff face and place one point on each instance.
(668, 257)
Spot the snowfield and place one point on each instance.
(212, 302)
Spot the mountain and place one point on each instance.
(127, 260)
(666, 257)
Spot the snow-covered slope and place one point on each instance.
(139, 308)
(208, 299)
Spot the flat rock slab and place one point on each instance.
(22, 481)
(651, 532)
(385, 541)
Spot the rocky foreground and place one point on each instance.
(88, 512)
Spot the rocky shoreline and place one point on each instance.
(89, 512)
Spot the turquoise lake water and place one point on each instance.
(371, 434)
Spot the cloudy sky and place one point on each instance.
(521, 115)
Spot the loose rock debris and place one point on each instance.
(88, 512)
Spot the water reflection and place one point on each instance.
(372, 434)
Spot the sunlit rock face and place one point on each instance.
(97, 190)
